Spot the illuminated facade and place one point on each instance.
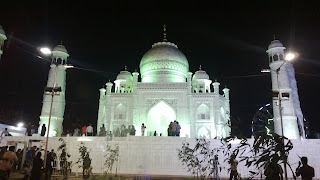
(286, 83)
(56, 78)
(167, 92)
(3, 37)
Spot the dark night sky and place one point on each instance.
(228, 39)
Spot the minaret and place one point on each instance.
(3, 37)
(283, 80)
(56, 79)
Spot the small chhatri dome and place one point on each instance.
(200, 75)
(124, 75)
(275, 43)
(60, 48)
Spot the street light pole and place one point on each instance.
(281, 121)
(288, 57)
(52, 91)
(56, 76)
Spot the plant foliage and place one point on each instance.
(112, 156)
(64, 156)
(84, 160)
(199, 159)
(265, 149)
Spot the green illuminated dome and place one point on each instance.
(164, 63)
(124, 75)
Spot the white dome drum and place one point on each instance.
(200, 75)
(275, 43)
(164, 63)
(124, 75)
(60, 48)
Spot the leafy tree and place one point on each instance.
(84, 161)
(199, 159)
(112, 156)
(64, 156)
(266, 149)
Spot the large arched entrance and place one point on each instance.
(159, 118)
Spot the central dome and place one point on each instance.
(164, 62)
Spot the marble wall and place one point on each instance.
(155, 155)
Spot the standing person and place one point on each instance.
(306, 171)
(29, 156)
(86, 167)
(132, 130)
(43, 130)
(36, 167)
(76, 132)
(215, 164)
(174, 128)
(234, 166)
(54, 158)
(84, 130)
(170, 130)
(273, 171)
(143, 127)
(33, 129)
(19, 155)
(49, 169)
(178, 129)
(28, 132)
(155, 133)
(102, 131)
(5, 132)
(6, 163)
(89, 130)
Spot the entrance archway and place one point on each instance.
(159, 118)
(204, 132)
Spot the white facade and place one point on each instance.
(3, 37)
(158, 156)
(167, 92)
(286, 84)
(56, 78)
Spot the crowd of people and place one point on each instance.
(119, 132)
(174, 128)
(33, 167)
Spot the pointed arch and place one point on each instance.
(204, 131)
(159, 117)
(120, 111)
(203, 112)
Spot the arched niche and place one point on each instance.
(159, 118)
(203, 112)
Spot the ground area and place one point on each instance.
(18, 175)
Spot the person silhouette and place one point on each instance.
(43, 130)
(306, 171)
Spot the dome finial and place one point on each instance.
(200, 67)
(165, 33)
(274, 37)
(125, 67)
(61, 42)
